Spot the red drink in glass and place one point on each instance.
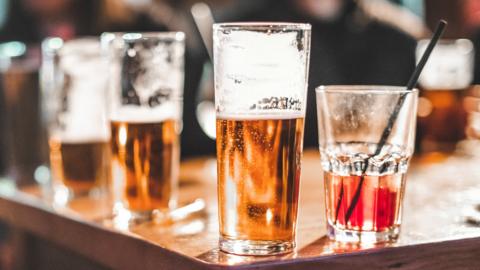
(366, 138)
(378, 206)
(364, 207)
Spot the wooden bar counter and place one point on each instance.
(436, 233)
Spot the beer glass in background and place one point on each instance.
(145, 112)
(261, 72)
(472, 106)
(363, 191)
(22, 138)
(74, 84)
(445, 81)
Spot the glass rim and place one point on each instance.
(57, 45)
(464, 44)
(81, 39)
(362, 89)
(169, 35)
(262, 26)
(446, 40)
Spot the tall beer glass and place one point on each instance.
(74, 78)
(445, 82)
(145, 109)
(261, 72)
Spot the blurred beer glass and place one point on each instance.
(472, 106)
(74, 78)
(445, 82)
(261, 72)
(145, 112)
(22, 139)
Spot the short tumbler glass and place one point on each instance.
(261, 72)
(365, 181)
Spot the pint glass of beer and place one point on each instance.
(261, 72)
(145, 109)
(445, 83)
(74, 78)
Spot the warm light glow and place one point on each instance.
(425, 107)
(122, 135)
(269, 216)
(206, 117)
(60, 196)
(122, 217)
(191, 228)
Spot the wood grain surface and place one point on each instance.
(434, 233)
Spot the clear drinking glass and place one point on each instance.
(145, 112)
(445, 82)
(261, 72)
(74, 78)
(24, 151)
(472, 106)
(364, 183)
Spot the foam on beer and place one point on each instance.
(251, 66)
(449, 67)
(269, 115)
(84, 119)
(144, 114)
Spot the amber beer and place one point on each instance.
(442, 119)
(444, 82)
(258, 177)
(147, 157)
(80, 166)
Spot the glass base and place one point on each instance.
(63, 195)
(257, 248)
(368, 237)
(123, 218)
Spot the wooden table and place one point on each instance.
(434, 232)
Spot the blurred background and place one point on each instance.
(353, 42)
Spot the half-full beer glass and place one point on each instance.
(145, 109)
(74, 81)
(261, 72)
(445, 83)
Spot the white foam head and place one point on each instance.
(82, 93)
(159, 66)
(251, 66)
(273, 115)
(143, 114)
(450, 65)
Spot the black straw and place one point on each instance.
(436, 36)
(393, 117)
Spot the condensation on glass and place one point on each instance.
(261, 72)
(364, 182)
(145, 111)
(73, 79)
